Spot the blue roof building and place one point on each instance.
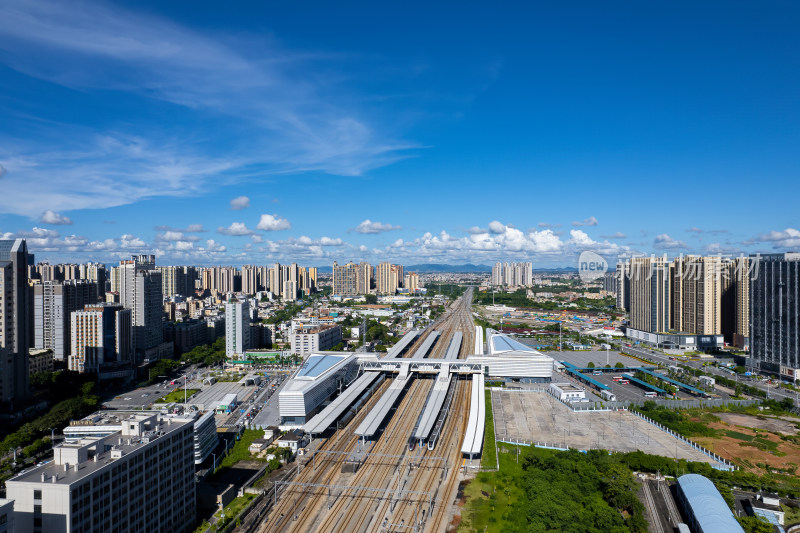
(704, 507)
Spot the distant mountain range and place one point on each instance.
(432, 267)
(469, 267)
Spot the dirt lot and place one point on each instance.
(785, 426)
(749, 440)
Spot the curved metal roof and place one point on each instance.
(709, 509)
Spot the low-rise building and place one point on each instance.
(41, 361)
(291, 439)
(6, 516)
(567, 392)
(309, 340)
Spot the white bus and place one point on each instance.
(608, 395)
(650, 394)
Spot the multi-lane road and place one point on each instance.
(773, 390)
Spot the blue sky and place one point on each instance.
(450, 133)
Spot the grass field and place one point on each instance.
(177, 396)
(491, 495)
(489, 457)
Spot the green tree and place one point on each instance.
(619, 365)
(590, 365)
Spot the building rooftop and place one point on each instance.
(76, 459)
(318, 364)
(711, 512)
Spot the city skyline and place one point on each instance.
(225, 138)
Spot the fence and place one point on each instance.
(722, 464)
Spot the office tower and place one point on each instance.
(696, 292)
(53, 302)
(140, 291)
(250, 283)
(237, 328)
(102, 341)
(650, 294)
(497, 274)
(736, 302)
(364, 278)
(775, 312)
(312, 278)
(623, 274)
(412, 282)
(139, 478)
(15, 319)
(289, 292)
(345, 279)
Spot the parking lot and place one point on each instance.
(528, 416)
(598, 357)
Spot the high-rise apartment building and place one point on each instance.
(312, 278)
(310, 340)
(101, 341)
(237, 328)
(345, 279)
(650, 294)
(388, 278)
(276, 279)
(97, 273)
(696, 294)
(15, 320)
(497, 274)
(512, 274)
(623, 274)
(736, 302)
(775, 312)
(289, 292)
(138, 479)
(140, 289)
(53, 303)
(177, 280)
(250, 279)
(411, 282)
(364, 278)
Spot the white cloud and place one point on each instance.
(236, 229)
(788, 238)
(548, 225)
(252, 81)
(214, 246)
(496, 227)
(3, 171)
(665, 242)
(370, 227)
(51, 217)
(240, 202)
(591, 221)
(617, 235)
(273, 223)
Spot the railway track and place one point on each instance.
(307, 509)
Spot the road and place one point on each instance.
(773, 392)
